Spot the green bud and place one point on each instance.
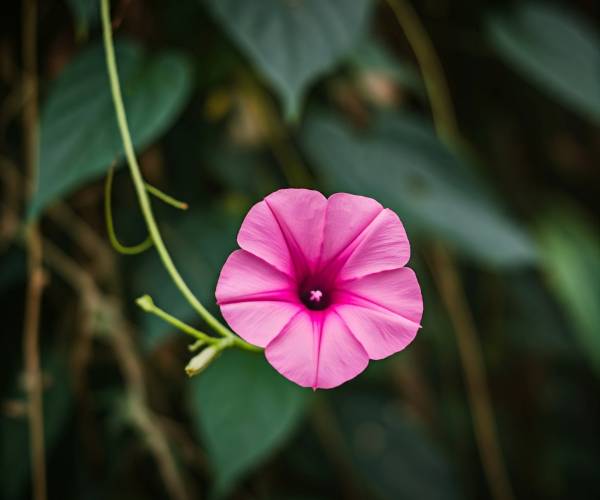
(199, 362)
(145, 302)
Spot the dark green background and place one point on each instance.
(229, 100)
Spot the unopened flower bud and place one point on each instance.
(145, 302)
(199, 362)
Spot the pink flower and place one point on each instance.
(321, 284)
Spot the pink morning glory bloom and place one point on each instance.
(320, 283)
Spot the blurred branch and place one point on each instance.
(444, 269)
(140, 414)
(87, 238)
(61, 214)
(36, 278)
(11, 197)
(431, 68)
(93, 301)
(451, 290)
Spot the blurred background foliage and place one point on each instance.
(229, 100)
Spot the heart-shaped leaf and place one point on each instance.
(244, 410)
(79, 137)
(400, 162)
(292, 42)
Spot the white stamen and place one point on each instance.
(315, 295)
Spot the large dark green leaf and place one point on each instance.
(392, 454)
(79, 135)
(244, 411)
(570, 251)
(199, 242)
(293, 42)
(400, 162)
(555, 49)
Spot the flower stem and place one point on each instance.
(147, 304)
(140, 187)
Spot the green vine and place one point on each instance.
(143, 198)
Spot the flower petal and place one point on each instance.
(259, 322)
(261, 235)
(382, 310)
(381, 333)
(383, 245)
(317, 350)
(256, 299)
(347, 216)
(300, 214)
(293, 352)
(341, 356)
(245, 277)
(397, 290)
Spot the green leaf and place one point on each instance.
(390, 452)
(293, 42)
(200, 242)
(401, 163)
(555, 49)
(244, 411)
(570, 251)
(79, 136)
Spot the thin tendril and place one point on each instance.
(169, 200)
(110, 227)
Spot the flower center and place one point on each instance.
(314, 297)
